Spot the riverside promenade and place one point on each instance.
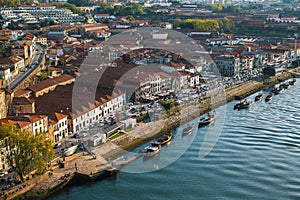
(87, 164)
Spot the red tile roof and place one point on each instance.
(50, 82)
(21, 92)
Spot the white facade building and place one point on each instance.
(82, 120)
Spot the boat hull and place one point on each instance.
(258, 98)
(163, 141)
(201, 124)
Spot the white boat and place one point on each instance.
(209, 119)
(151, 151)
(70, 151)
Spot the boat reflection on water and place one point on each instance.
(188, 130)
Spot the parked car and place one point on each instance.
(57, 145)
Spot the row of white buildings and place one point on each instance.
(34, 14)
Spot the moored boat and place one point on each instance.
(277, 90)
(292, 82)
(188, 130)
(165, 139)
(269, 97)
(258, 97)
(285, 85)
(151, 150)
(243, 104)
(209, 119)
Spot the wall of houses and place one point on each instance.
(228, 65)
(60, 130)
(84, 120)
(25, 108)
(40, 126)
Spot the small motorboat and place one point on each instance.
(259, 97)
(292, 82)
(209, 119)
(165, 139)
(243, 104)
(188, 130)
(285, 85)
(151, 150)
(269, 97)
(277, 90)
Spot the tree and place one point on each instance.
(149, 11)
(130, 18)
(226, 25)
(44, 75)
(79, 3)
(127, 10)
(137, 9)
(168, 105)
(217, 7)
(25, 152)
(205, 25)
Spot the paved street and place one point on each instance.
(37, 58)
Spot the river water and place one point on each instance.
(255, 156)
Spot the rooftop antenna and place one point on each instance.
(295, 50)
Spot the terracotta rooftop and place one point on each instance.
(3, 38)
(15, 59)
(50, 82)
(63, 98)
(55, 117)
(22, 120)
(20, 124)
(21, 92)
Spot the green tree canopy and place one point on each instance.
(79, 2)
(135, 9)
(217, 7)
(127, 10)
(9, 3)
(205, 25)
(168, 105)
(226, 25)
(25, 152)
(223, 25)
(130, 18)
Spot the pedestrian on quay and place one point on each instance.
(76, 168)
